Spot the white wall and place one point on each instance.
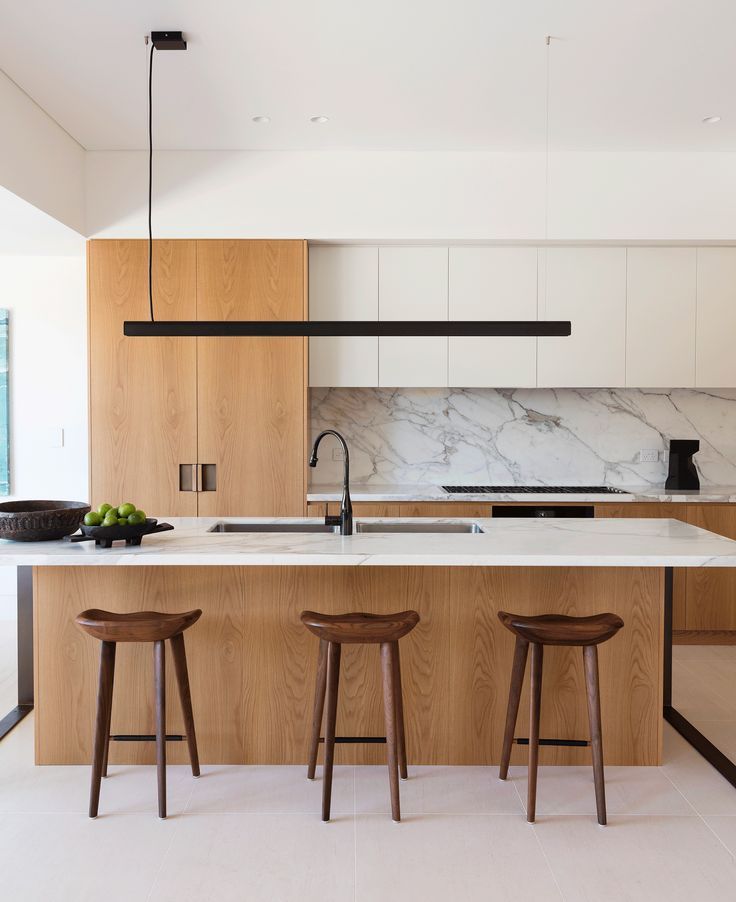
(415, 196)
(46, 297)
(39, 161)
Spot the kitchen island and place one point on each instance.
(252, 664)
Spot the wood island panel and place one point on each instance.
(252, 664)
(711, 594)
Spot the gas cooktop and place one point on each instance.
(532, 490)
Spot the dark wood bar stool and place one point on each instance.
(143, 626)
(554, 629)
(333, 631)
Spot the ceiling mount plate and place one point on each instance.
(168, 40)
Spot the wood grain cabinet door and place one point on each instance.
(252, 392)
(143, 391)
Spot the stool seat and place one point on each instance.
(559, 629)
(360, 628)
(140, 626)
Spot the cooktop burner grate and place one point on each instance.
(532, 490)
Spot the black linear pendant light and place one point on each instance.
(173, 40)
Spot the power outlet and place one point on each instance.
(648, 456)
(338, 454)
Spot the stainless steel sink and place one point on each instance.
(419, 527)
(273, 527)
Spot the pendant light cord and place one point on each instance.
(150, 181)
(548, 41)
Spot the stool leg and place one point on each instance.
(534, 709)
(109, 717)
(389, 709)
(102, 728)
(399, 708)
(159, 676)
(319, 708)
(179, 655)
(512, 711)
(590, 659)
(333, 679)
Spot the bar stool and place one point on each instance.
(556, 629)
(333, 631)
(143, 626)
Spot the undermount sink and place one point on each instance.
(273, 527)
(419, 527)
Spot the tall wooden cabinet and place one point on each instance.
(198, 426)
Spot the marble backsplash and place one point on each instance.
(522, 436)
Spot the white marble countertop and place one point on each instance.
(707, 494)
(504, 543)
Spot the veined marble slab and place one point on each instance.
(504, 543)
(725, 494)
(534, 436)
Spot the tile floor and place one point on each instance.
(253, 833)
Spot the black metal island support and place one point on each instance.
(25, 653)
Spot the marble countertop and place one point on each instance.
(504, 543)
(409, 493)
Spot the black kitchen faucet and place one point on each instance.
(345, 519)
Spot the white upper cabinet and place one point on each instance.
(586, 285)
(715, 361)
(492, 283)
(343, 285)
(412, 285)
(660, 329)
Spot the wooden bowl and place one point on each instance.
(40, 521)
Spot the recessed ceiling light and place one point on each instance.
(711, 120)
(261, 120)
(319, 120)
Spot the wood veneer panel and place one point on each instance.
(250, 425)
(711, 593)
(252, 664)
(252, 391)
(251, 280)
(630, 663)
(143, 391)
(656, 510)
(67, 662)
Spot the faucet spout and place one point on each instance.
(345, 520)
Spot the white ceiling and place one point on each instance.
(390, 74)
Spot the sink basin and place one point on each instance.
(273, 527)
(419, 527)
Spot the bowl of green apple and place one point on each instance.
(109, 524)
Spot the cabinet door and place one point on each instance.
(251, 280)
(143, 391)
(588, 287)
(252, 391)
(660, 329)
(715, 363)
(711, 592)
(343, 285)
(412, 285)
(492, 283)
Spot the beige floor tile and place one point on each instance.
(706, 790)
(725, 829)
(62, 857)
(629, 790)
(270, 788)
(445, 790)
(494, 858)
(249, 857)
(638, 859)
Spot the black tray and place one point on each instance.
(104, 536)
